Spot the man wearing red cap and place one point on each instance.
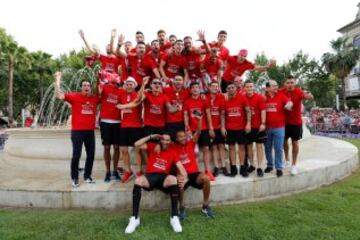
(237, 65)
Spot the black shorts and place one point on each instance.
(147, 130)
(192, 177)
(219, 138)
(204, 139)
(235, 136)
(294, 132)
(255, 136)
(110, 133)
(156, 181)
(224, 85)
(173, 128)
(129, 136)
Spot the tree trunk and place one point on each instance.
(41, 92)
(343, 88)
(11, 91)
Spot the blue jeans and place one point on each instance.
(275, 138)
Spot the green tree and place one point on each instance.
(340, 62)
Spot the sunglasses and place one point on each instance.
(156, 83)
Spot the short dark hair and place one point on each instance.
(154, 41)
(290, 77)
(247, 81)
(214, 82)
(141, 43)
(193, 84)
(85, 80)
(139, 32)
(161, 31)
(179, 40)
(187, 37)
(267, 84)
(172, 35)
(222, 32)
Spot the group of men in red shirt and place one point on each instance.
(175, 92)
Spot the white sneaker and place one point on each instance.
(89, 180)
(294, 170)
(175, 224)
(75, 183)
(133, 223)
(287, 164)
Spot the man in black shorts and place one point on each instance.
(160, 159)
(185, 151)
(257, 134)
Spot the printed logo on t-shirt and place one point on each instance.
(193, 110)
(87, 108)
(127, 110)
(184, 158)
(112, 98)
(271, 107)
(234, 112)
(109, 67)
(173, 68)
(155, 109)
(160, 163)
(214, 111)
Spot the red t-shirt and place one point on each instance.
(155, 110)
(160, 162)
(234, 68)
(131, 117)
(211, 68)
(222, 50)
(109, 63)
(235, 115)
(83, 110)
(156, 59)
(186, 155)
(192, 63)
(125, 69)
(176, 98)
(191, 105)
(109, 99)
(165, 47)
(293, 117)
(174, 64)
(275, 113)
(257, 104)
(217, 105)
(141, 67)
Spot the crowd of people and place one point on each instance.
(168, 98)
(327, 121)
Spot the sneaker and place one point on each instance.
(133, 223)
(216, 172)
(127, 176)
(175, 224)
(116, 176)
(287, 164)
(182, 213)
(208, 212)
(260, 172)
(251, 169)
(89, 180)
(210, 175)
(279, 172)
(139, 173)
(294, 170)
(107, 177)
(233, 171)
(243, 171)
(225, 171)
(75, 183)
(268, 169)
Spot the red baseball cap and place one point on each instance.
(243, 52)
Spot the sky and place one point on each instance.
(278, 28)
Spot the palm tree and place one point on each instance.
(341, 61)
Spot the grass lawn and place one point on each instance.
(332, 212)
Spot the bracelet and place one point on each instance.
(150, 136)
(119, 44)
(203, 41)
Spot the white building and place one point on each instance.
(351, 31)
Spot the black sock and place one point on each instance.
(174, 196)
(136, 200)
